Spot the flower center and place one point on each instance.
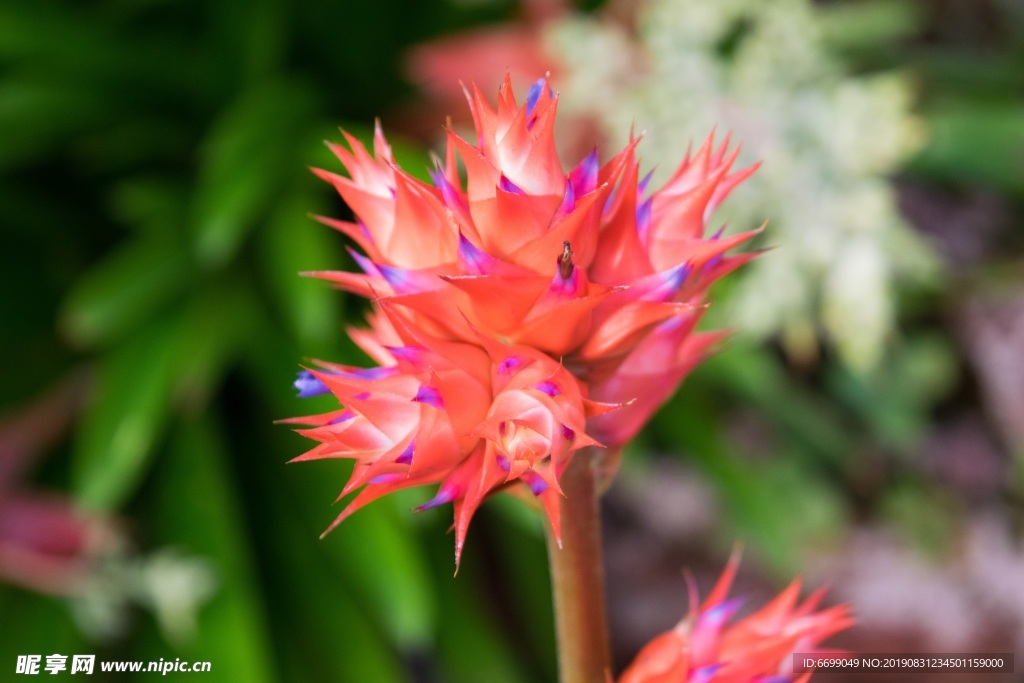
(520, 442)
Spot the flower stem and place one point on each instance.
(577, 578)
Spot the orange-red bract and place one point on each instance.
(705, 648)
(520, 314)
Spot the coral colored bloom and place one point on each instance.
(507, 303)
(704, 647)
(471, 418)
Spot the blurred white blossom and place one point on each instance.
(759, 71)
(170, 585)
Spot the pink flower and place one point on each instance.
(704, 647)
(46, 544)
(486, 54)
(588, 282)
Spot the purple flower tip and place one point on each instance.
(583, 178)
(366, 264)
(608, 203)
(412, 354)
(533, 96)
(503, 462)
(430, 396)
(475, 260)
(507, 185)
(705, 673)
(308, 385)
(446, 494)
(643, 218)
(398, 278)
(675, 277)
(548, 388)
(378, 372)
(533, 480)
(509, 364)
(406, 456)
(568, 201)
(365, 230)
(712, 262)
(642, 185)
(568, 433)
(716, 616)
(451, 197)
(344, 417)
(387, 478)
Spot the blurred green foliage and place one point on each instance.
(156, 214)
(155, 210)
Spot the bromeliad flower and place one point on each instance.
(473, 418)
(507, 303)
(705, 648)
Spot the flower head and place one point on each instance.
(472, 418)
(515, 308)
(704, 647)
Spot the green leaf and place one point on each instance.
(124, 290)
(321, 629)
(472, 647)
(293, 242)
(247, 157)
(376, 552)
(865, 25)
(975, 143)
(524, 570)
(757, 378)
(131, 407)
(389, 570)
(781, 505)
(78, 48)
(897, 401)
(780, 509)
(958, 76)
(232, 628)
(927, 519)
(216, 324)
(150, 205)
(125, 143)
(45, 626)
(40, 115)
(175, 361)
(253, 35)
(42, 33)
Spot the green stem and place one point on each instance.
(577, 578)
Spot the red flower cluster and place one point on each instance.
(705, 648)
(519, 316)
